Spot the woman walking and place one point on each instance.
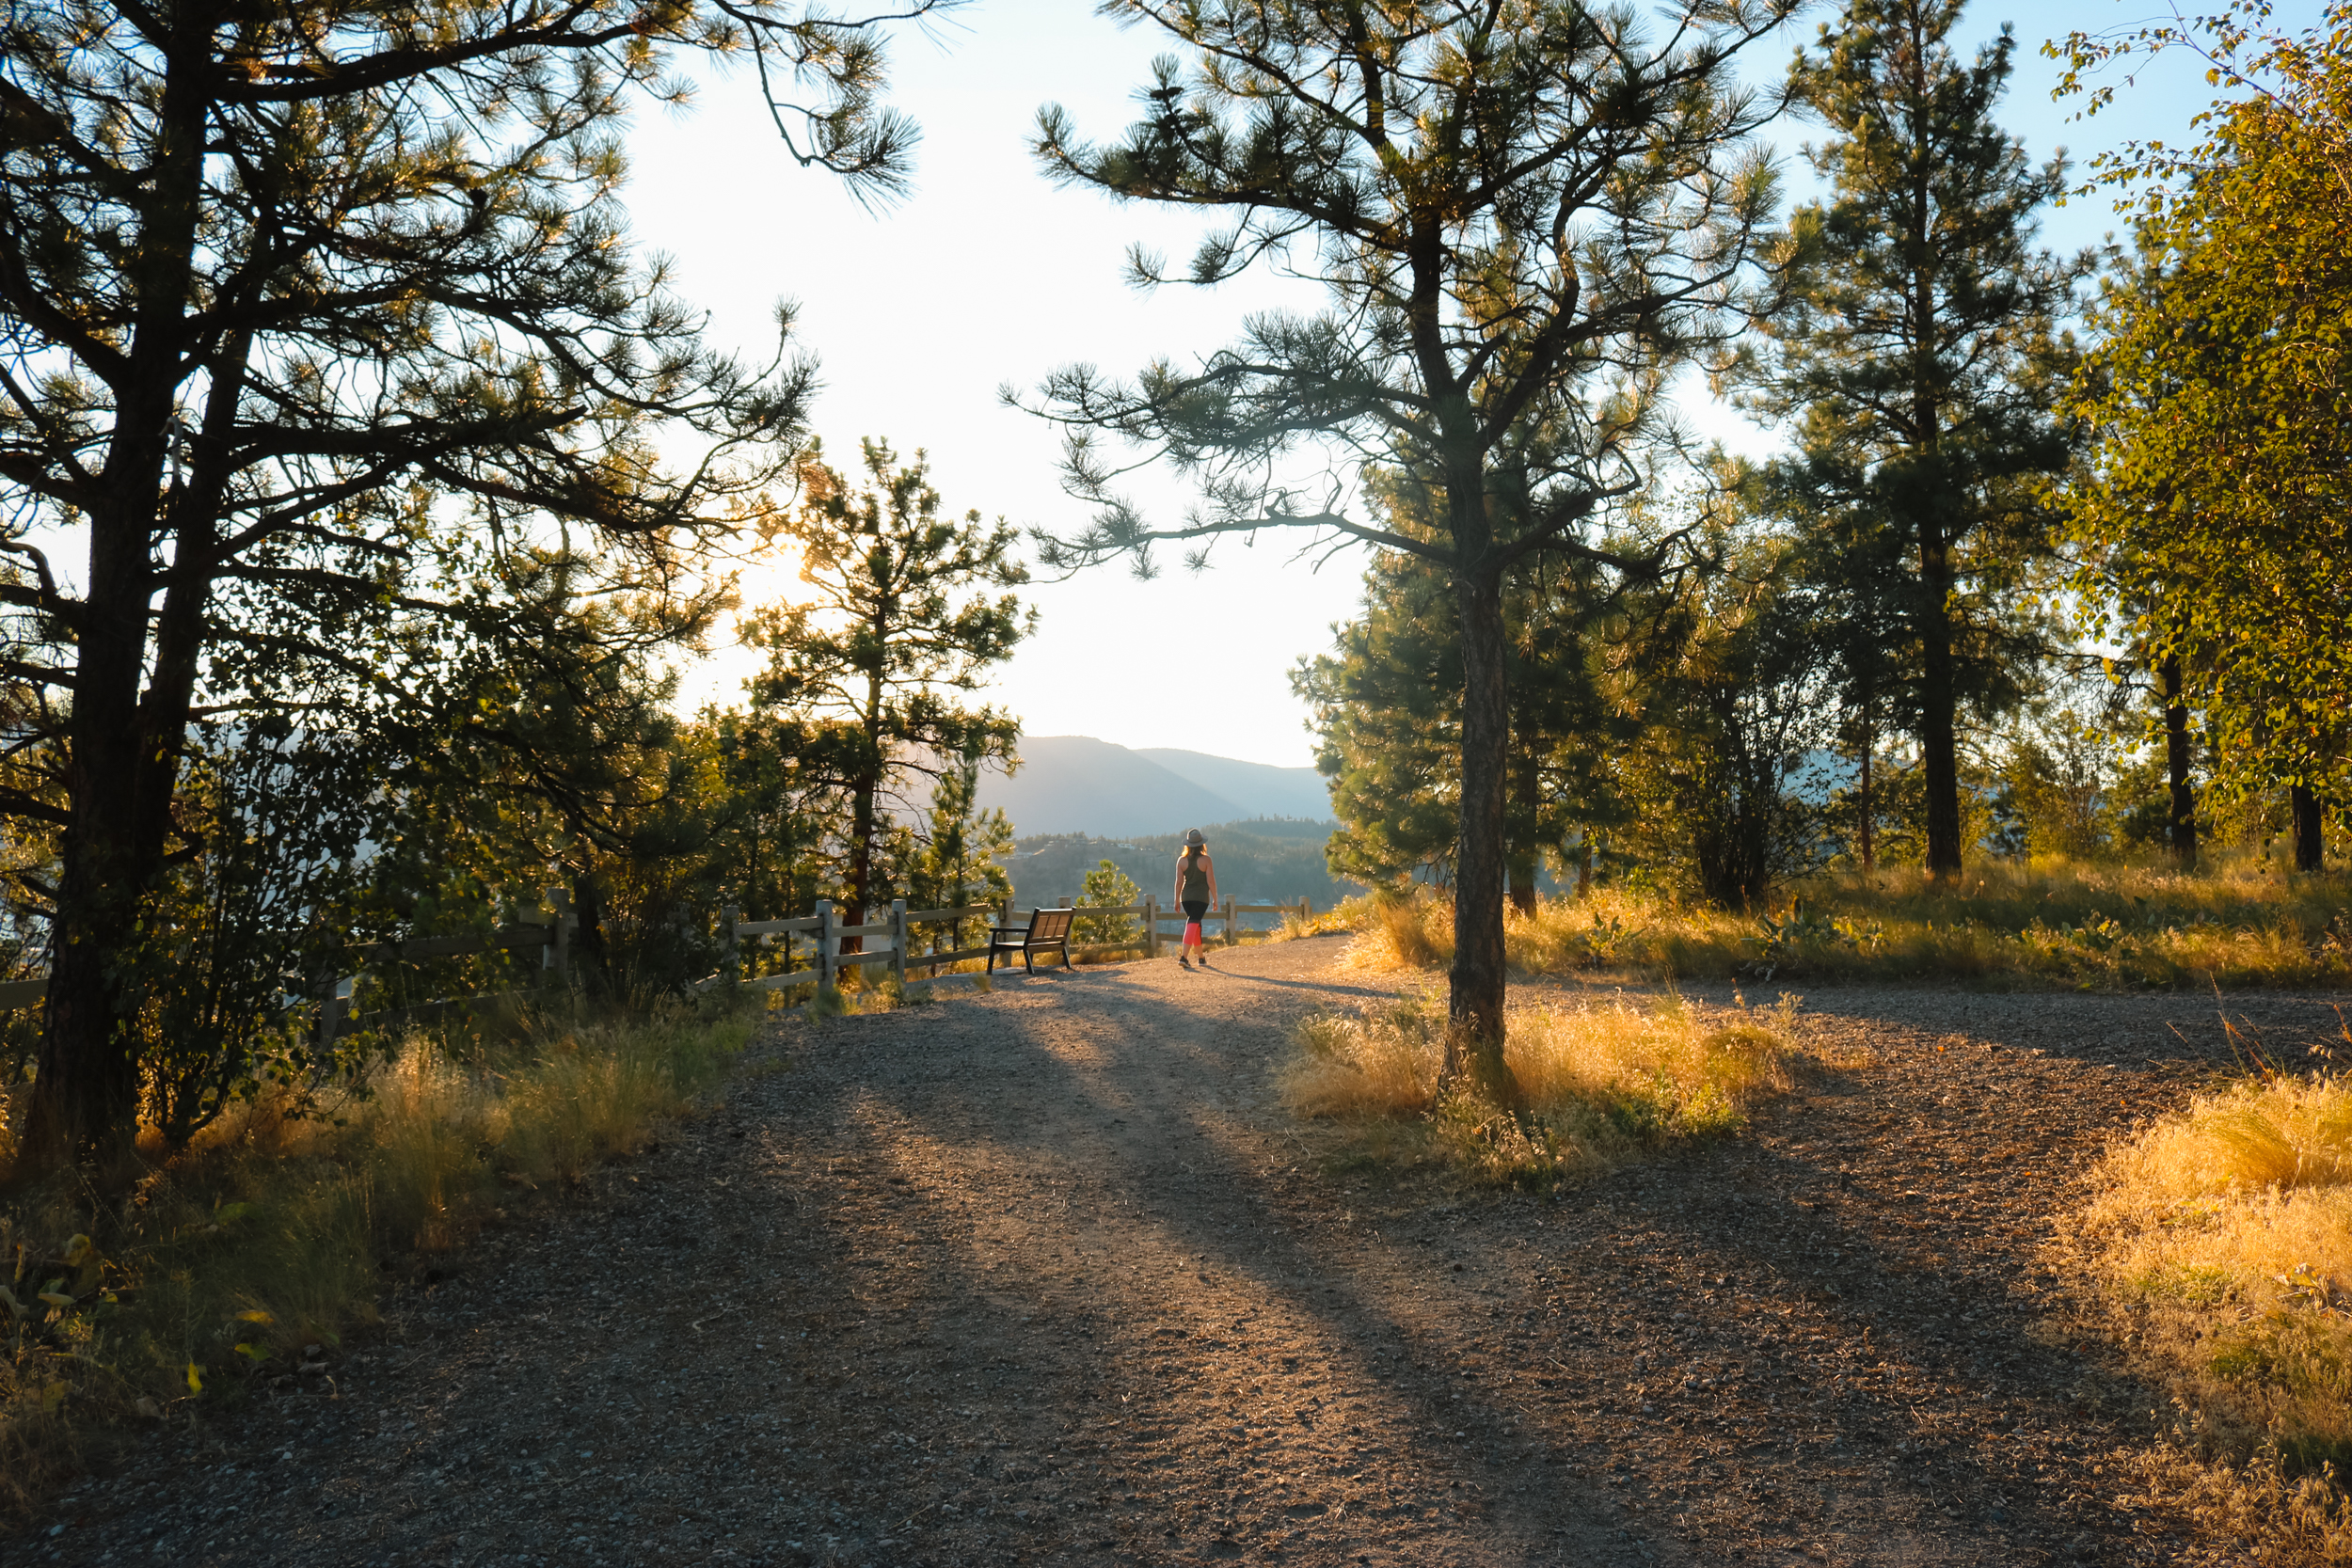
(1196, 890)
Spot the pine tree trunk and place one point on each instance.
(84, 1099)
(591, 955)
(1524, 852)
(124, 753)
(1474, 1053)
(861, 859)
(2184, 802)
(1869, 744)
(2303, 805)
(1939, 743)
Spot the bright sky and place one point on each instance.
(987, 275)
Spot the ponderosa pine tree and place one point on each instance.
(960, 863)
(1387, 713)
(289, 288)
(1723, 680)
(1920, 355)
(1525, 215)
(860, 683)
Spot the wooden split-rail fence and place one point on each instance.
(549, 930)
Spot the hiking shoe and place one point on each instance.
(1182, 962)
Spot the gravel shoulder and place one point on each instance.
(1044, 1275)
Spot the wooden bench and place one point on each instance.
(1048, 931)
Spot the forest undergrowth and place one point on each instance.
(2006, 925)
(1604, 1085)
(247, 1256)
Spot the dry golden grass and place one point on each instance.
(1604, 1083)
(2046, 925)
(2225, 1235)
(272, 1232)
(2251, 1513)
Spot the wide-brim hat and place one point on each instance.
(1193, 835)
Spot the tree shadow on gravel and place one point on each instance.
(1738, 1352)
(1123, 1277)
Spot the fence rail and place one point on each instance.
(549, 931)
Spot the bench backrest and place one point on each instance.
(1049, 924)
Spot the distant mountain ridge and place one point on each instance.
(1260, 788)
(1074, 783)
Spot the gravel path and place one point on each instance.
(1044, 1276)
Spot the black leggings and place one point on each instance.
(1195, 908)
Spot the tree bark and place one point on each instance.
(84, 1099)
(590, 954)
(865, 791)
(2183, 820)
(2303, 805)
(1869, 744)
(1939, 744)
(1474, 1053)
(123, 753)
(861, 859)
(1523, 851)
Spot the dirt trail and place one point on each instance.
(1044, 1276)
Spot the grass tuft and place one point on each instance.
(2225, 1235)
(2261, 1510)
(1604, 1085)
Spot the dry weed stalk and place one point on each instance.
(2254, 1513)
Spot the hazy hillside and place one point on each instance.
(1073, 784)
(1262, 789)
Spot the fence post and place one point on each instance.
(330, 1012)
(730, 953)
(1152, 926)
(899, 942)
(1229, 923)
(828, 945)
(560, 951)
(1306, 912)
